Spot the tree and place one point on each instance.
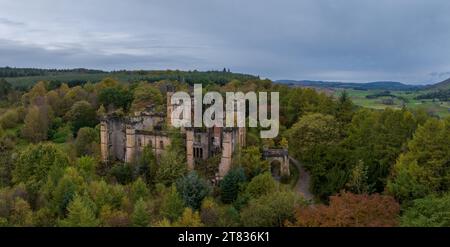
(430, 211)
(261, 185)
(5, 89)
(423, 169)
(250, 160)
(37, 123)
(86, 166)
(358, 179)
(311, 133)
(350, 210)
(36, 163)
(21, 214)
(171, 167)
(80, 214)
(115, 97)
(138, 190)
(140, 216)
(68, 186)
(210, 212)
(377, 138)
(113, 218)
(82, 114)
(145, 95)
(189, 219)
(172, 205)
(87, 141)
(147, 166)
(193, 189)
(230, 185)
(270, 210)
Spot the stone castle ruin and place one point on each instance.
(123, 138)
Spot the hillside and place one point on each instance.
(24, 78)
(443, 85)
(379, 85)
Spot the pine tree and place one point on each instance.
(80, 214)
(140, 215)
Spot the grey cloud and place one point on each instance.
(352, 40)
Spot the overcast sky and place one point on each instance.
(346, 40)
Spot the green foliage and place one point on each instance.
(430, 211)
(377, 138)
(231, 184)
(193, 189)
(117, 97)
(423, 169)
(80, 214)
(172, 205)
(140, 216)
(67, 187)
(36, 124)
(171, 167)
(86, 166)
(36, 163)
(5, 89)
(144, 95)
(270, 210)
(139, 190)
(250, 160)
(189, 219)
(82, 114)
(311, 133)
(123, 173)
(147, 166)
(87, 141)
(261, 185)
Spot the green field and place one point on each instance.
(404, 98)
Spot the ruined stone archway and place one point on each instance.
(279, 162)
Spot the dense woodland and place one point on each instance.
(368, 167)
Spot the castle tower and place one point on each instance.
(190, 148)
(130, 150)
(169, 108)
(227, 152)
(104, 140)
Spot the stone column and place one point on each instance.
(130, 150)
(227, 152)
(104, 140)
(190, 148)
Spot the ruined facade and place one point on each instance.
(123, 138)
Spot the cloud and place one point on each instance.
(352, 40)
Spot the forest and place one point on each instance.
(368, 167)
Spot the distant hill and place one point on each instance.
(379, 85)
(26, 77)
(443, 85)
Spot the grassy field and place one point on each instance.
(403, 98)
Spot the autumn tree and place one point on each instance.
(145, 95)
(350, 210)
(37, 122)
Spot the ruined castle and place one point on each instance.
(123, 138)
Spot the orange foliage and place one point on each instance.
(351, 210)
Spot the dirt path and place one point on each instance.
(302, 186)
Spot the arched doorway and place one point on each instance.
(275, 169)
